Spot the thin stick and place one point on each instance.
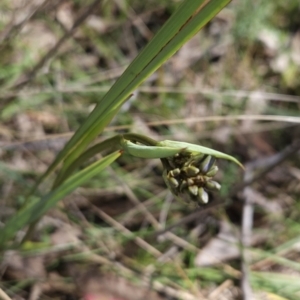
(272, 162)
(58, 140)
(169, 235)
(31, 74)
(223, 286)
(139, 241)
(172, 292)
(191, 217)
(80, 88)
(3, 295)
(12, 28)
(247, 224)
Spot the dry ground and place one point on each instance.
(234, 87)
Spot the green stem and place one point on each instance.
(134, 137)
(110, 144)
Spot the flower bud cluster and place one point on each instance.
(189, 176)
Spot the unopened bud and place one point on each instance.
(190, 182)
(174, 172)
(213, 185)
(193, 190)
(205, 164)
(191, 171)
(203, 196)
(183, 185)
(173, 182)
(212, 171)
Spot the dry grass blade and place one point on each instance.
(3, 295)
(139, 241)
(232, 87)
(31, 212)
(53, 51)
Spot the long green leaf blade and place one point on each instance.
(199, 149)
(36, 209)
(155, 53)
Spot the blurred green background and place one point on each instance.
(234, 87)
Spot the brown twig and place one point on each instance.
(13, 29)
(3, 295)
(246, 232)
(195, 215)
(269, 163)
(167, 235)
(33, 72)
(248, 209)
(118, 226)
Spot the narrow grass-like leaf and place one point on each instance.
(149, 151)
(182, 25)
(61, 156)
(284, 284)
(278, 259)
(120, 91)
(199, 149)
(151, 58)
(34, 210)
(109, 144)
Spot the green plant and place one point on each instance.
(188, 168)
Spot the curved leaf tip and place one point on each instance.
(199, 150)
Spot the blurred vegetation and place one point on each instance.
(244, 66)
